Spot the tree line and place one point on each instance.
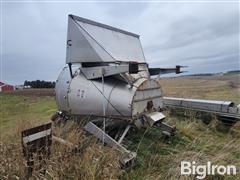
(39, 84)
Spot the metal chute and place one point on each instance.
(226, 109)
(90, 41)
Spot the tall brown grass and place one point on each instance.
(91, 160)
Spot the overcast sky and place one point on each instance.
(203, 36)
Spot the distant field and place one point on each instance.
(157, 159)
(217, 87)
(25, 108)
(33, 92)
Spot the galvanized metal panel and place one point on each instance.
(101, 135)
(99, 71)
(199, 103)
(104, 137)
(223, 108)
(95, 42)
(78, 47)
(154, 117)
(85, 97)
(97, 47)
(82, 96)
(102, 25)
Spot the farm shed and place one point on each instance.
(6, 87)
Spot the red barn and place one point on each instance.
(6, 87)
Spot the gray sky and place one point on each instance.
(203, 36)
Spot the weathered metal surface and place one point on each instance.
(148, 90)
(101, 135)
(124, 134)
(89, 41)
(223, 108)
(85, 97)
(62, 89)
(99, 71)
(153, 117)
(81, 96)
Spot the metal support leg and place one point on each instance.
(124, 134)
(127, 157)
(104, 111)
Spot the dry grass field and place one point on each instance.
(219, 87)
(157, 159)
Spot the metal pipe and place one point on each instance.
(70, 69)
(124, 134)
(104, 111)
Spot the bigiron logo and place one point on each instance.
(201, 171)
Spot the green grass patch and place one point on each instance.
(23, 109)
